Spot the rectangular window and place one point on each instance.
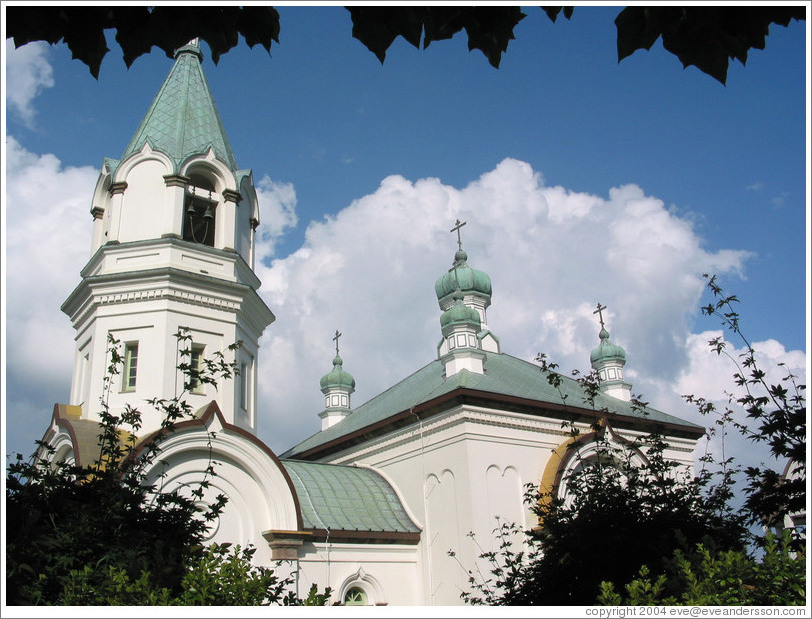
(130, 366)
(195, 364)
(244, 383)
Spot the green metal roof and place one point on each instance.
(338, 377)
(606, 351)
(504, 375)
(183, 119)
(459, 314)
(463, 276)
(347, 498)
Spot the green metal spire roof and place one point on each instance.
(347, 498)
(183, 119)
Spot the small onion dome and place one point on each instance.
(606, 351)
(468, 279)
(338, 377)
(459, 314)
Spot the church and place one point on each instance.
(371, 504)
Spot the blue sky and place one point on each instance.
(582, 180)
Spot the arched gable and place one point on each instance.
(260, 494)
(213, 168)
(576, 450)
(147, 153)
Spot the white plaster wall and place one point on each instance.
(259, 498)
(246, 209)
(455, 477)
(387, 572)
(153, 325)
(459, 472)
(145, 211)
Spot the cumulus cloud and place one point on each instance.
(369, 271)
(552, 254)
(47, 243)
(709, 375)
(277, 213)
(28, 71)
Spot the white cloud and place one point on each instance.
(709, 375)
(369, 271)
(277, 203)
(28, 71)
(47, 242)
(552, 254)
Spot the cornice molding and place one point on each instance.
(118, 187)
(176, 180)
(229, 195)
(168, 283)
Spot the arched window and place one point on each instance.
(355, 596)
(199, 210)
(604, 455)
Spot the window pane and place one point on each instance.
(130, 366)
(244, 385)
(355, 596)
(195, 365)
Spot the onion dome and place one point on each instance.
(606, 351)
(459, 314)
(338, 378)
(460, 274)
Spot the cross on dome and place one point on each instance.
(335, 339)
(599, 312)
(456, 228)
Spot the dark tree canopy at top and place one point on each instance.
(707, 37)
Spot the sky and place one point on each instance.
(582, 180)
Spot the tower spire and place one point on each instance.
(475, 286)
(608, 360)
(337, 387)
(183, 119)
(175, 205)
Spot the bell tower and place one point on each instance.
(174, 223)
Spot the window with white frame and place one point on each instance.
(130, 366)
(195, 366)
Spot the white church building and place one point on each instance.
(371, 504)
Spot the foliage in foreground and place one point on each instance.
(100, 534)
(728, 578)
(707, 37)
(633, 521)
(617, 516)
(218, 576)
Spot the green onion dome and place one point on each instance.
(338, 377)
(459, 314)
(468, 279)
(606, 351)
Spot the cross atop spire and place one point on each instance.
(599, 312)
(335, 339)
(456, 228)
